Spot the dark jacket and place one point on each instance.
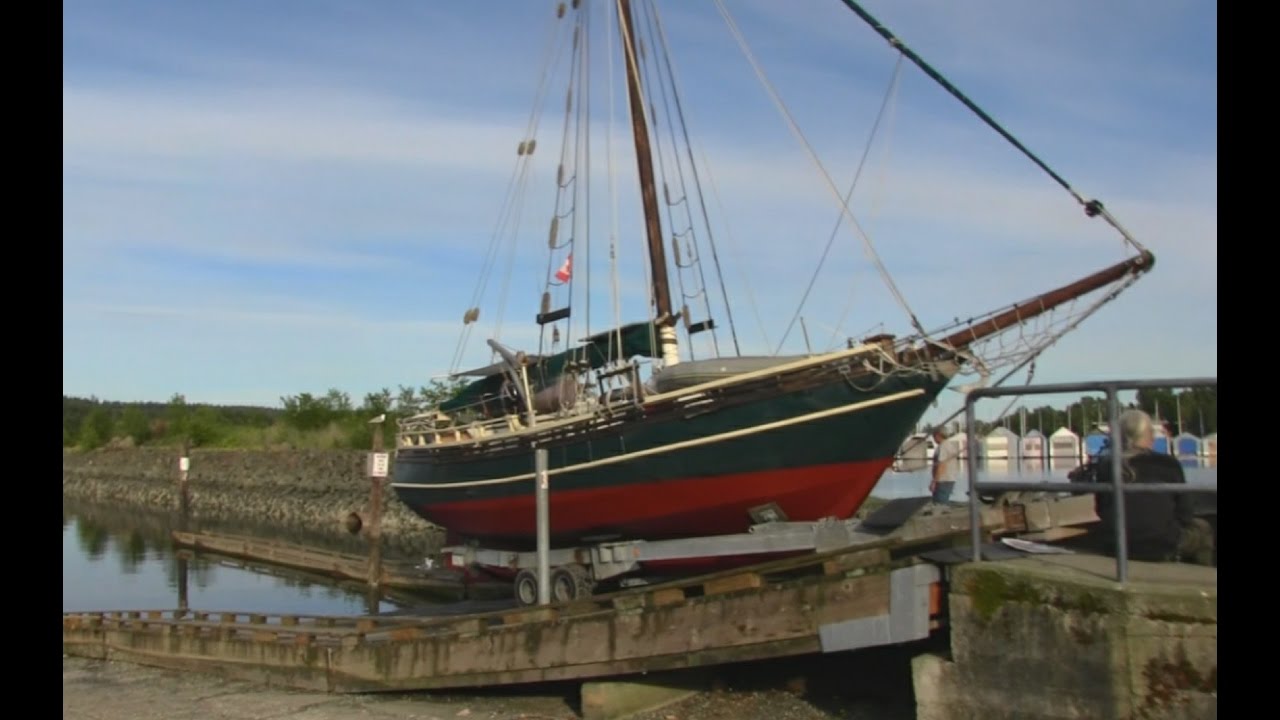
(1153, 521)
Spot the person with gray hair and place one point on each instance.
(1161, 527)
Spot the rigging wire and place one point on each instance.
(563, 181)
(813, 156)
(647, 97)
(1055, 337)
(528, 155)
(514, 188)
(866, 152)
(1092, 208)
(684, 127)
(746, 283)
(666, 83)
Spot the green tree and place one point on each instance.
(439, 391)
(205, 427)
(134, 424)
(177, 417)
(338, 402)
(377, 403)
(306, 412)
(95, 431)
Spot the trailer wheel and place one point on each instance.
(527, 588)
(571, 582)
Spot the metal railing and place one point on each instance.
(1117, 486)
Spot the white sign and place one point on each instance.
(378, 464)
(184, 464)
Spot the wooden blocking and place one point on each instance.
(228, 618)
(406, 633)
(365, 625)
(666, 596)
(257, 619)
(200, 616)
(469, 628)
(855, 561)
(1015, 518)
(155, 615)
(533, 615)
(629, 602)
(264, 636)
(733, 583)
(288, 620)
(133, 614)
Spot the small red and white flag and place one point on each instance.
(566, 269)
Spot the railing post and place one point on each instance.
(542, 490)
(1122, 536)
(975, 522)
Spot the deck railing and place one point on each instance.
(1117, 486)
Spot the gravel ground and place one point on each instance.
(95, 690)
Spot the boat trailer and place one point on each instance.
(578, 572)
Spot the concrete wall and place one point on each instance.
(1040, 639)
(305, 490)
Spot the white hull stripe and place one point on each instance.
(684, 444)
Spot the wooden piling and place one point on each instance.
(378, 462)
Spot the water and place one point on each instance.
(915, 483)
(121, 560)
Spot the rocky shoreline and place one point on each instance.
(304, 491)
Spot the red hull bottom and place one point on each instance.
(683, 507)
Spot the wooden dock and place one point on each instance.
(858, 597)
(343, 566)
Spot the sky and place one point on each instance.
(264, 199)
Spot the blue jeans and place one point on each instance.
(943, 494)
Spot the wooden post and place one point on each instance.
(378, 464)
(184, 496)
(184, 517)
(182, 583)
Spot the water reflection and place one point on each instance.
(115, 558)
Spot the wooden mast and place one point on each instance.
(665, 320)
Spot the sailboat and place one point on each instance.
(697, 446)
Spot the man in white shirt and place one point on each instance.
(944, 471)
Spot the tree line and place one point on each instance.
(334, 420)
(330, 420)
(1193, 410)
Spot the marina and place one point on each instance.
(605, 502)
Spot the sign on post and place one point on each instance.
(184, 464)
(379, 463)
